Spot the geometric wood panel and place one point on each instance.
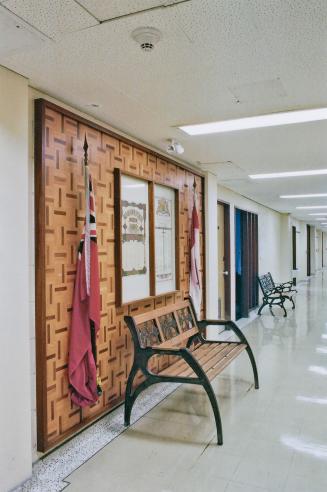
(59, 205)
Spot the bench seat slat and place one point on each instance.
(218, 368)
(203, 352)
(213, 358)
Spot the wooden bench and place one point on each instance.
(175, 330)
(275, 294)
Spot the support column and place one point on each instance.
(286, 249)
(211, 241)
(15, 380)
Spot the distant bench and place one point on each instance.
(275, 294)
(163, 332)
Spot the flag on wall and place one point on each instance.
(195, 283)
(85, 323)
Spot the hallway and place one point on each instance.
(274, 438)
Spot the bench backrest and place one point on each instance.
(266, 283)
(165, 327)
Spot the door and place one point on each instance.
(308, 251)
(246, 262)
(223, 261)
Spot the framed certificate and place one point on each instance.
(165, 239)
(132, 241)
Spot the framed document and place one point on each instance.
(132, 241)
(165, 239)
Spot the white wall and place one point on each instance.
(15, 413)
(269, 234)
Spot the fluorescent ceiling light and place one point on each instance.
(312, 207)
(313, 195)
(317, 213)
(266, 120)
(322, 218)
(289, 174)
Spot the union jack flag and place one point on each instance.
(85, 324)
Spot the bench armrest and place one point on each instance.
(233, 326)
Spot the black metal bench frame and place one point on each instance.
(275, 294)
(143, 355)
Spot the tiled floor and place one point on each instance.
(275, 439)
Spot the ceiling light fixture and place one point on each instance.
(289, 174)
(263, 121)
(317, 213)
(312, 207)
(321, 218)
(312, 195)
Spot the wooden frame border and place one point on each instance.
(40, 294)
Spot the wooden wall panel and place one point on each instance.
(59, 222)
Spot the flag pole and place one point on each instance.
(85, 147)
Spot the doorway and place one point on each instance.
(308, 251)
(246, 262)
(294, 253)
(224, 306)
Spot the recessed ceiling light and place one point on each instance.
(289, 174)
(312, 207)
(312, 195)
(266, 120)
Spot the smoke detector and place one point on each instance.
(146, 37)
(174, 147)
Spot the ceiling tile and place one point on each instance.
(52, 17)
(116, 8)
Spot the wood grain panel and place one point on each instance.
(59, 200)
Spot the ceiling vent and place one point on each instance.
(146, 37)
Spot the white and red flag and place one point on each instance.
(195, 282)
(85, 323)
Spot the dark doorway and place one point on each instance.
(224, 307)
(246, 262)
(294, 252)
(308, 251)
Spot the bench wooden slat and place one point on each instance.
(180, 365)
(213, 358)
(220, 353)
(141, 318)
(214, 371)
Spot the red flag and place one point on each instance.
(86, 310)
(195, 282)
